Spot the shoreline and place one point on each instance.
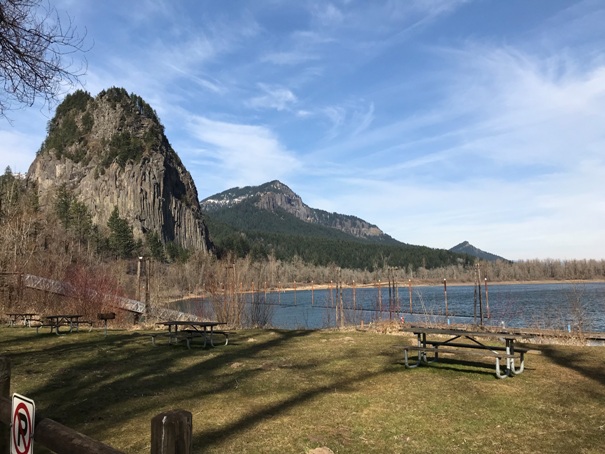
(403, 284)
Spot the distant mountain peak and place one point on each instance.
(467, 248)
(275, 196)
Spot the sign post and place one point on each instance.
(22, 427)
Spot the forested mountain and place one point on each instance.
(276, 196)
(466, 248)
(272, 220)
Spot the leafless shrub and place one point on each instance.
(259, 313)
(91, 291)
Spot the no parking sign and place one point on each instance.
(22, 427)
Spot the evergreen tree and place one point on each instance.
(80, 220)
(155, 246)
(63, 201)
(121, 238)
(176, 253)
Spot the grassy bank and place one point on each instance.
(291, 391)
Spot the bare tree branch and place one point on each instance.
(36, 51)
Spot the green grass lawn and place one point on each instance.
(292, 391)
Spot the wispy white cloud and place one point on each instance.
(437, 120)
(347, 120)
(274, 97)
(289, 58)
(242, 154)
(510, 155)
(526, 110)
(327, 14)
(362, 120)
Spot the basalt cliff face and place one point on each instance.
(111, 151)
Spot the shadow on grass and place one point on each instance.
(94, 378)
(460, 365)
(577, 361)
(86, 366)
(206, 439)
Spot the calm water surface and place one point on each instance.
(547, 306)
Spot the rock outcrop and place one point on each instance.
(111, 151)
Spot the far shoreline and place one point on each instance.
(398, 284)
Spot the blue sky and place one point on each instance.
(437, 120)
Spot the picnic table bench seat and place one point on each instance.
(42, 325)
(172, 337)
(84, 322)
(206, 336)
(26, 318)
(497, 353)
(73, 326)
(465, 345)
(188, 335)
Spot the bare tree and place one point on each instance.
(35, 54)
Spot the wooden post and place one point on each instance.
(479, 290)
(139, 279)
(171, 433)
(410, 292)
(445, 295)
(379, 300)
(340, 302)
(487, 299)
(5, 385)
(389, 272)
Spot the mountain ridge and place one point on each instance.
(276, 195)
(466, 248)
(271, 220)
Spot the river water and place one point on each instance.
(561, 306)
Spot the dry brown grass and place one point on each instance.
(293, 391)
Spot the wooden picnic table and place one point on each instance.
(25, 317)
(55, 322)
(189, 330)
(431, 341)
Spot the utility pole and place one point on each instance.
(139, 278)
(445, 295)
(487, 299)
(478, 286)
(147, 270)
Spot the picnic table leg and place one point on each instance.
(422, 355)
(406, 359)
(212, 340)
(514, 370)
(509, 351)
(510, 361)
(499, 374)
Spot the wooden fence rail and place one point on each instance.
(170, 431)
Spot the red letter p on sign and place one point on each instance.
(22, 425)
